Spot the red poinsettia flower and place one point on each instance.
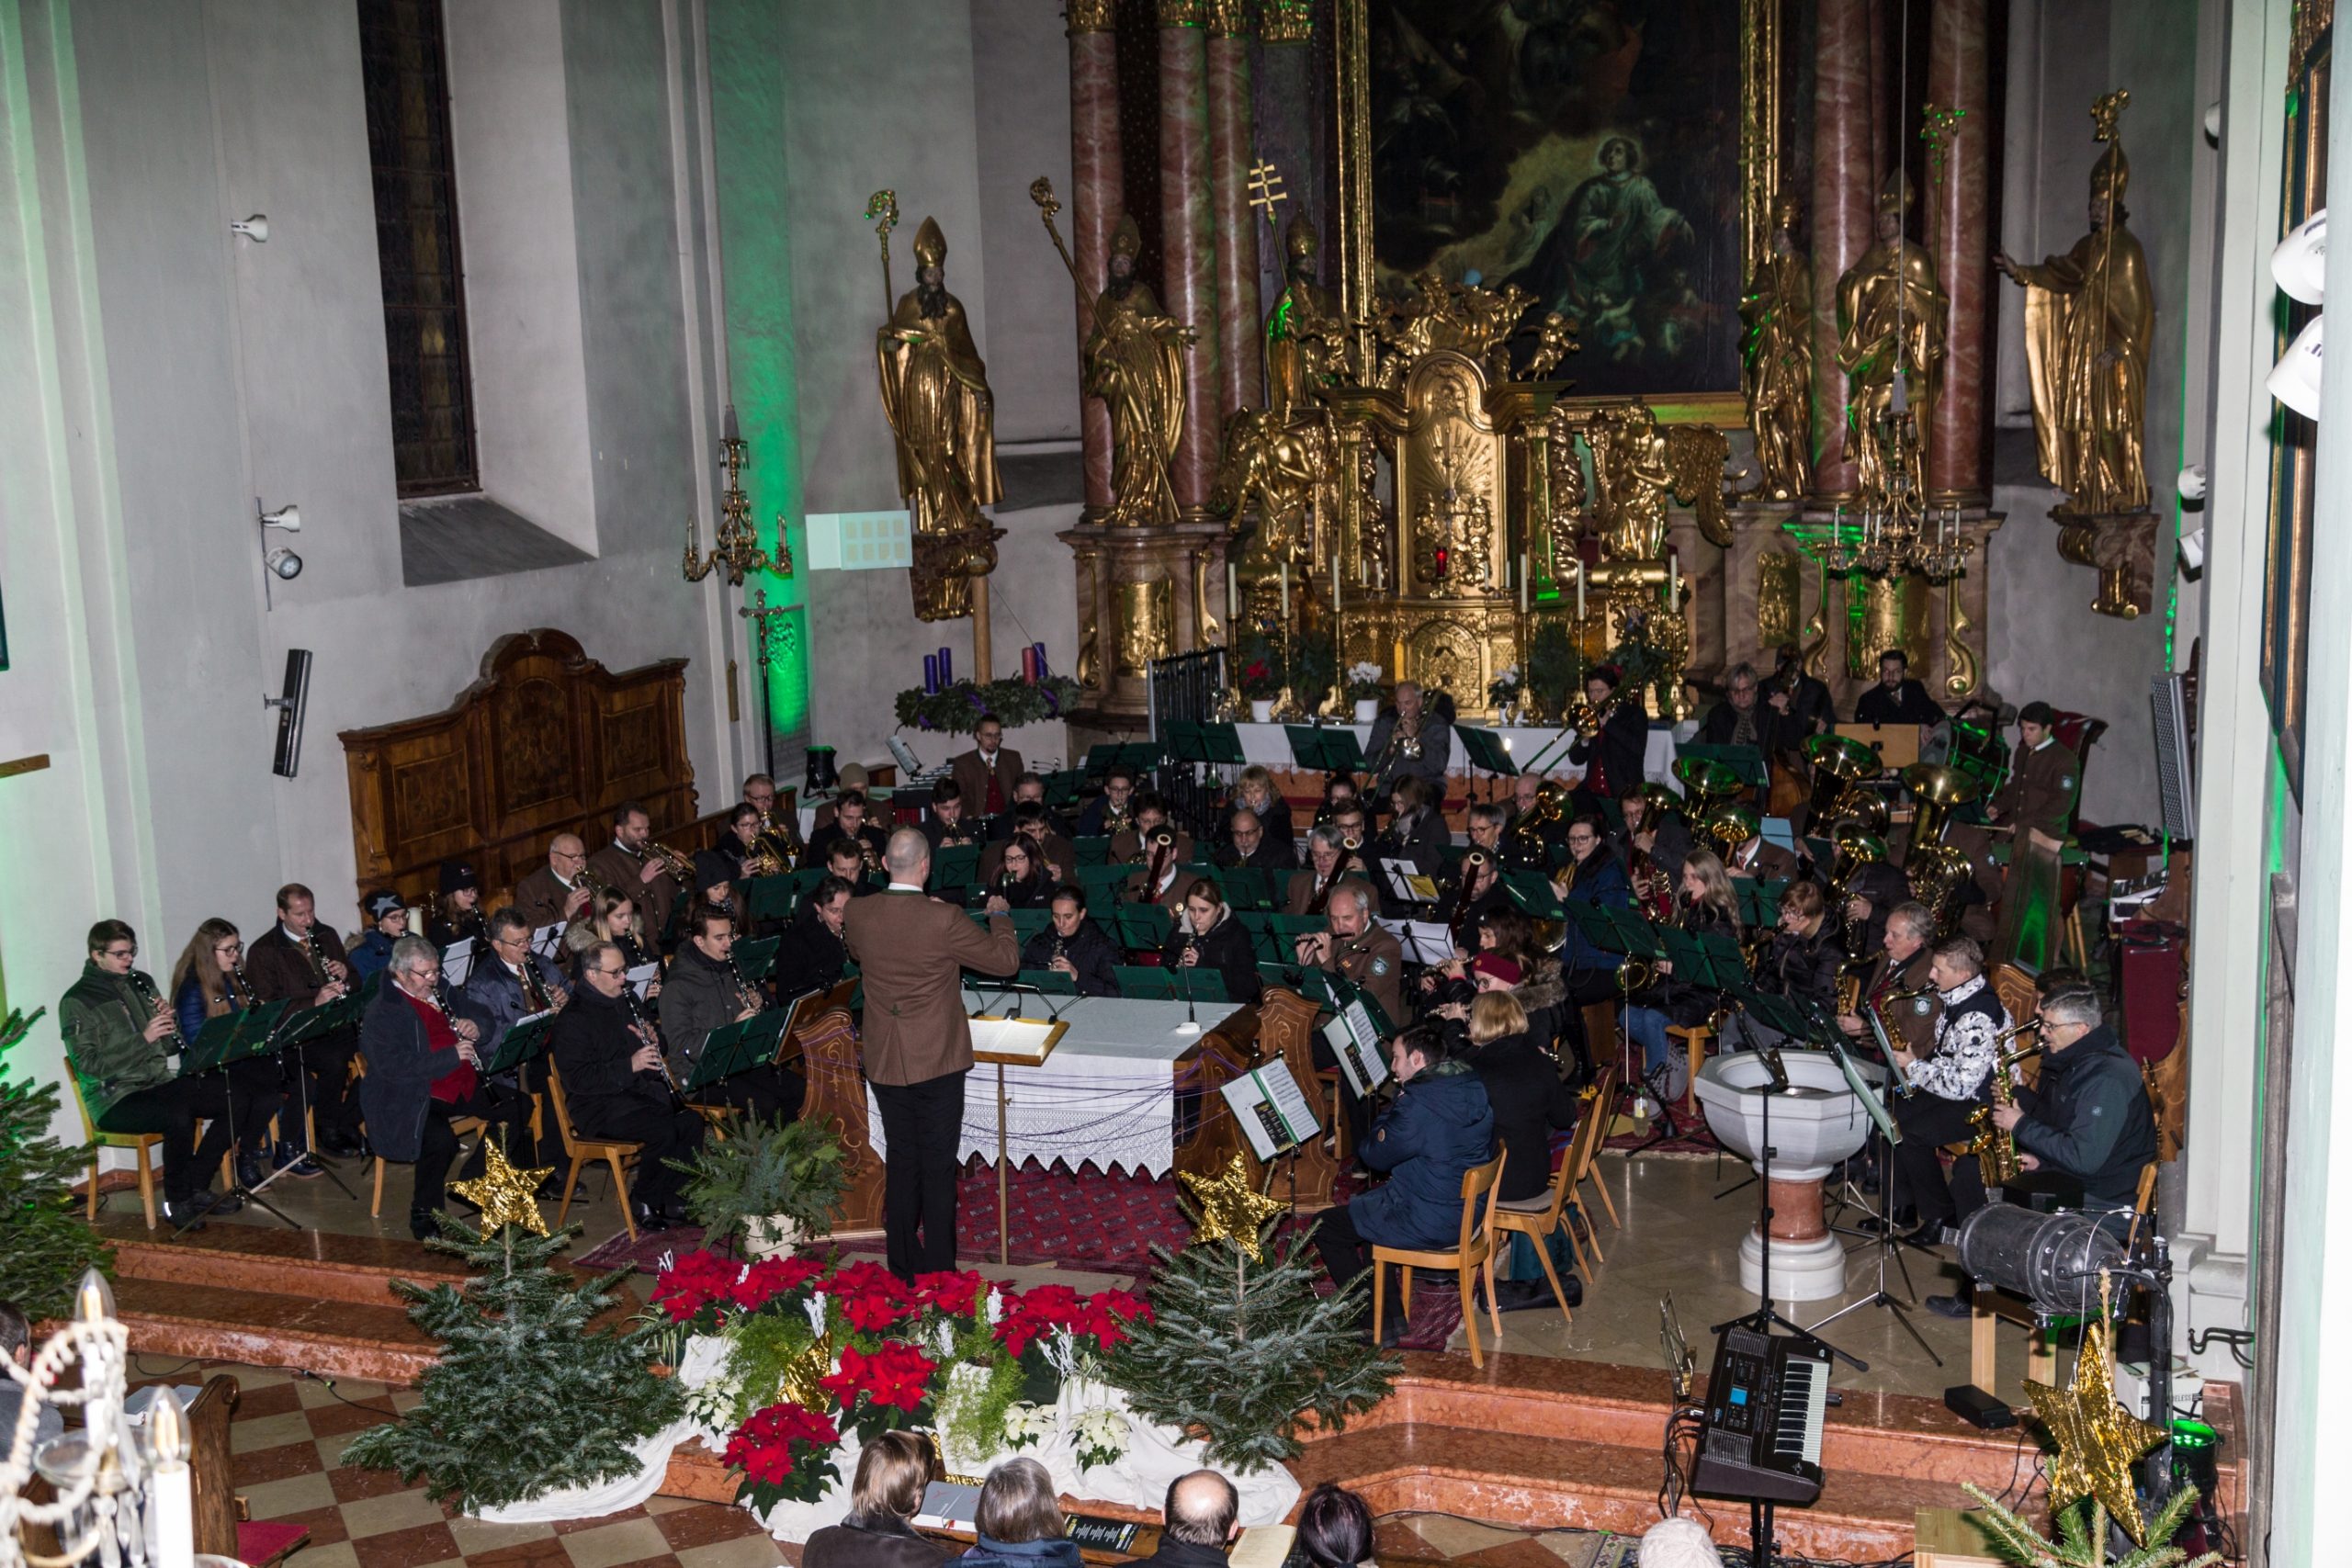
(957, 1294)
(693, 1282)
(769, 1277)
(1106, 1312)
(869, 1295)
(762, 1446)
(896, 1374)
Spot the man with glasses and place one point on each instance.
(117, 1033)
(1251, 845)
(704, 992)
(301, 960)
(556, 894)
(1740, 720)
(615, 1087)
(506, 984)
(425, 1068)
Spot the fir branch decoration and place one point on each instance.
(526, 1398)
(2083, 1535)
(762, 1169)
(1277, 1351)
(44, 1243)
(956, 709)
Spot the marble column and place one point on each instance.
(1188, 241)
(1843, 161)
(1098, 198)
(1239, 381)
(1958, 214)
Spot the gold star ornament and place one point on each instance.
(505, 1194)
(2098, 1440)
(1231, 1209)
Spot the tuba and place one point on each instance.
(1839, 765)
(1730, 826)
(1939, 876)
(1706, 785)
(1550, 804)
(1856, 849)
(1936, 793)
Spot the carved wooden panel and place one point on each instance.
(546, 741)
(828, 1056)
(1286, 1032)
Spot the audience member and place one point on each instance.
(878, 1530)
(1020, 1521)
(1335, 1528)
(1199, 1521)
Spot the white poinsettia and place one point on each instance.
(1100, 1436)
(1025, 1424)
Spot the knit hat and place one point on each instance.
(711, 869)
(1506, 970)
(457, 876)
(378, 905)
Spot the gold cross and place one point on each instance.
(1266, 188)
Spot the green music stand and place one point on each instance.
(769, 898)
(1145, 980)
(753, 959)
(1049, 982)
(521, 1044)
(1760, 902)
(737, 1047)
(1747, 761)
(1248, 887)
(1345, 991)
(1198, 985)
(957, 867)
(1027, 923)
(1532, 891)
(1325, 749)
(1484, 750)
(1283, 975)
(1092, 851)
(1061, 788)
(1144, 926)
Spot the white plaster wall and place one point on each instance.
(507, 116)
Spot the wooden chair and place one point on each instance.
(1472, 1253)
(1538, 1217)
(140, 1143)
(462, 1125)
(1695, 1038)
(1600, 1042)
(580, 1151)
(1988, 1307)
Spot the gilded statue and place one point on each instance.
(1306, 332)
(2089, 316)
(1776, 359)
(1135, 363)
(1273, 469)
(1463, 316)
(936, 395)
(1631, 477)
(1892, 321)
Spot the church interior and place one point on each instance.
(840, 781)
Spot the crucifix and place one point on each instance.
(1266, 189)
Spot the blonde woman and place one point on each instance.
(1704, 902)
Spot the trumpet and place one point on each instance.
(681, 866)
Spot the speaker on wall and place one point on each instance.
(293, 698)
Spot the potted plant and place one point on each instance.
(1261, 676)
(1362, 686)
(1555, 673)
(767, 1186)
(1505, 689)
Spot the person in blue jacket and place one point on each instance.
(387, 923)
(1439, 1126)
(1590, 875)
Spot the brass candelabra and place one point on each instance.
(736, 550)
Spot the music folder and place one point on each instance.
(519, 1044)
(1425, 941)
(457, 961)
(547, 940)
(232, 1037)
(743, 1044)
(1272, 1112)
(1355, 1041)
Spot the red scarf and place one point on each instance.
(458, 1083)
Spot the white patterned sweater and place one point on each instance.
(1963, 1060)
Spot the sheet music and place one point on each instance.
(1408, 883)
(1425, 941)
(1290, 1102)
(546, 939)
(1356, 1043)
(1254, 1113)
(641, 976)
(458, 961)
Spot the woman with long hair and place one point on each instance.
(612, 917)
(1020, 880)
(1704, 902)
(208, 982)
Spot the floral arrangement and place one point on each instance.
(818, 1348)
(1504, 688)
(1361, 683)
(956, 709)
(1262, 672)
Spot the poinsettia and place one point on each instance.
(785, 1450)
(882, 1390)
(769, 1277)
(1105, 1314)
(693, 1282)
(869, 1295)
(957, 1294)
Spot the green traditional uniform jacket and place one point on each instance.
(2041, 789)
(104, 1020)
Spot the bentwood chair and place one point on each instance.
(580, 1151)
(1536, 1218)
(1471, 1255)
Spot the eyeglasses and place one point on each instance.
(611, 974)
(121, 952)
(229, 947)
(515, 938)
(565, 854)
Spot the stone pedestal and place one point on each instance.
(2121, 547)
(1143, 593)
(1808, 1263)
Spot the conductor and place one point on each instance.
(912, 949)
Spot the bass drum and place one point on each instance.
(1942, 745)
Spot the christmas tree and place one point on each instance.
(44, 1243)
(2083, 1532)
(1239, 1345)
(525, 1398)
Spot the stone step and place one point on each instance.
(274, 1261)
(1502, 1476)
(333, 1338)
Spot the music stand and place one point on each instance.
(523, 1042)
(1887, 1242)
(739, 1046)
(292, 1030)
(230, 1038)
(1485, 752)
(1149, 982)
(1325, 749)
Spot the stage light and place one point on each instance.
(280, 563)
(256, 229)
(2053, 1260)
(288, 517)
(2294, 381)
(283, 564)
(2190, 483)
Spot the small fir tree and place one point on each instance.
(2083, 1535)
(45, 1245)
(1242, 1348)
(526, 1398)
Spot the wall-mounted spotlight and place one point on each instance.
(282, 563)
(256, 229)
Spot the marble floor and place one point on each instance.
(1678, 1237)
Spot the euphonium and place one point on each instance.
(1936, 792)
(1838, 765)
(1863, 807)
(1706, 785)
(1856, 850)
(1938, 876)
(1551, 803)
(1730, 826)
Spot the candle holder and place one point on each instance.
(736, 550)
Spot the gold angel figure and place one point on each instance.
(1630, 480)
(936, 394)
(1892, 321)
(2089, 317)
(1306, 334)
(1776, 358)
(1135, 363)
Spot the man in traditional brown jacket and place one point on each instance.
(555, 894)
(987, 773)
(912, 949)
(2045, 780)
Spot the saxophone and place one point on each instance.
(1884, 1009)
(1997, 1151)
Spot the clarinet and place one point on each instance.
(171, 1042)
(638, 1027)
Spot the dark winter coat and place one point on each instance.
(400, 1071)
(1528, 1100)
(1438, 1127)
(872, 1540)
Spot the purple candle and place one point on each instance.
(946, 668)
(930, 674)
(1039, 648)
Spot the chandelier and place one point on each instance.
(737, 548)
(1893, 536)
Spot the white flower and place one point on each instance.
(815, 1307)
(1363, 673)
(996, 1306)
(1508, 675)
(1101, 1437)
(1025, 1424)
